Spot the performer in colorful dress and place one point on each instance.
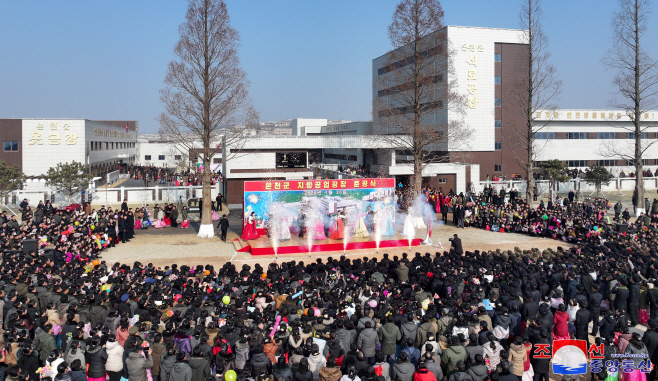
(337, 228)
(360, 228)
(409, 231)
(284, 229)
(319, 229)
(249, 230)
(386, 221)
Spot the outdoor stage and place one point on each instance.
(296, 245)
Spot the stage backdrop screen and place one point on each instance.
(329, 196)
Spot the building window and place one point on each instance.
(631, 135)
(11, 146)
(498, 57)
(607, 163)
(216, 160)
(442, 180)
(147, 157)
(499, 123)
(576, 135)
(498, 167)
(160, 157)
(544, 135)
(498, 80)
(177, 157)
(577, 163)
(499, 145)
(606, 135)
(498, 102)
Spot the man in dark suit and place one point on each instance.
(122, 228)
(219, 201)
(124, 205)
(223, 225)
(457, 245)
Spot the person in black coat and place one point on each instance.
(634, 300)
(222, 224)
(586, 280)
(529, 308)
(652, 301)
(122, 228)
(650, 339)
(622, 320)
(582, 320)
(541, 366)
(621, 295)
(594, 302)
(457, 245)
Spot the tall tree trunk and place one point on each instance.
(639, 176)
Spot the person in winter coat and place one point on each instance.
(403, 272)
(491, 351)
(181, 371)
(424, 329)
(638, 352)
(517, 354)
(460, 373)
(47, 342)
(409, 329)
(382, 367)
(157, 350)
(77, 373)
(432, 365)
(241, 353)
(452, 354)
(137, 363)
(167, 363)
(478, 369)
(594, 302)
(473, 348)
(582, 321)
(634, 300)
(75, 352)
(259, 360)
(389, 335)
(282, 371)
(28, 361)
(423, 374)
(199, 364)
(541, 366)
(413, 354)
(403, 370)
(367, 342)
(114, 363)
(330, 372)
(96, 357)
(269, 348)
(302, 373)
(316, 361)
(561, 320)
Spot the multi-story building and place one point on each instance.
(36, 145)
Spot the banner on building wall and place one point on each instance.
(322, 198)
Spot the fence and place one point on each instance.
(617, 186)
(114, 196)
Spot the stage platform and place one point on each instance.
(296, 245)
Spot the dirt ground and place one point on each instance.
(163, 250)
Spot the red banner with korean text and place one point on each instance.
(303, 185)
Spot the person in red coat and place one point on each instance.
(423, 374)
(561, 320)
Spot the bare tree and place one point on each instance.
(636, 83)
(206, 97)
(533, 93)
(411, 110)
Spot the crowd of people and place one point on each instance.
(164, 176)
(358, 170)
(456, 315)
